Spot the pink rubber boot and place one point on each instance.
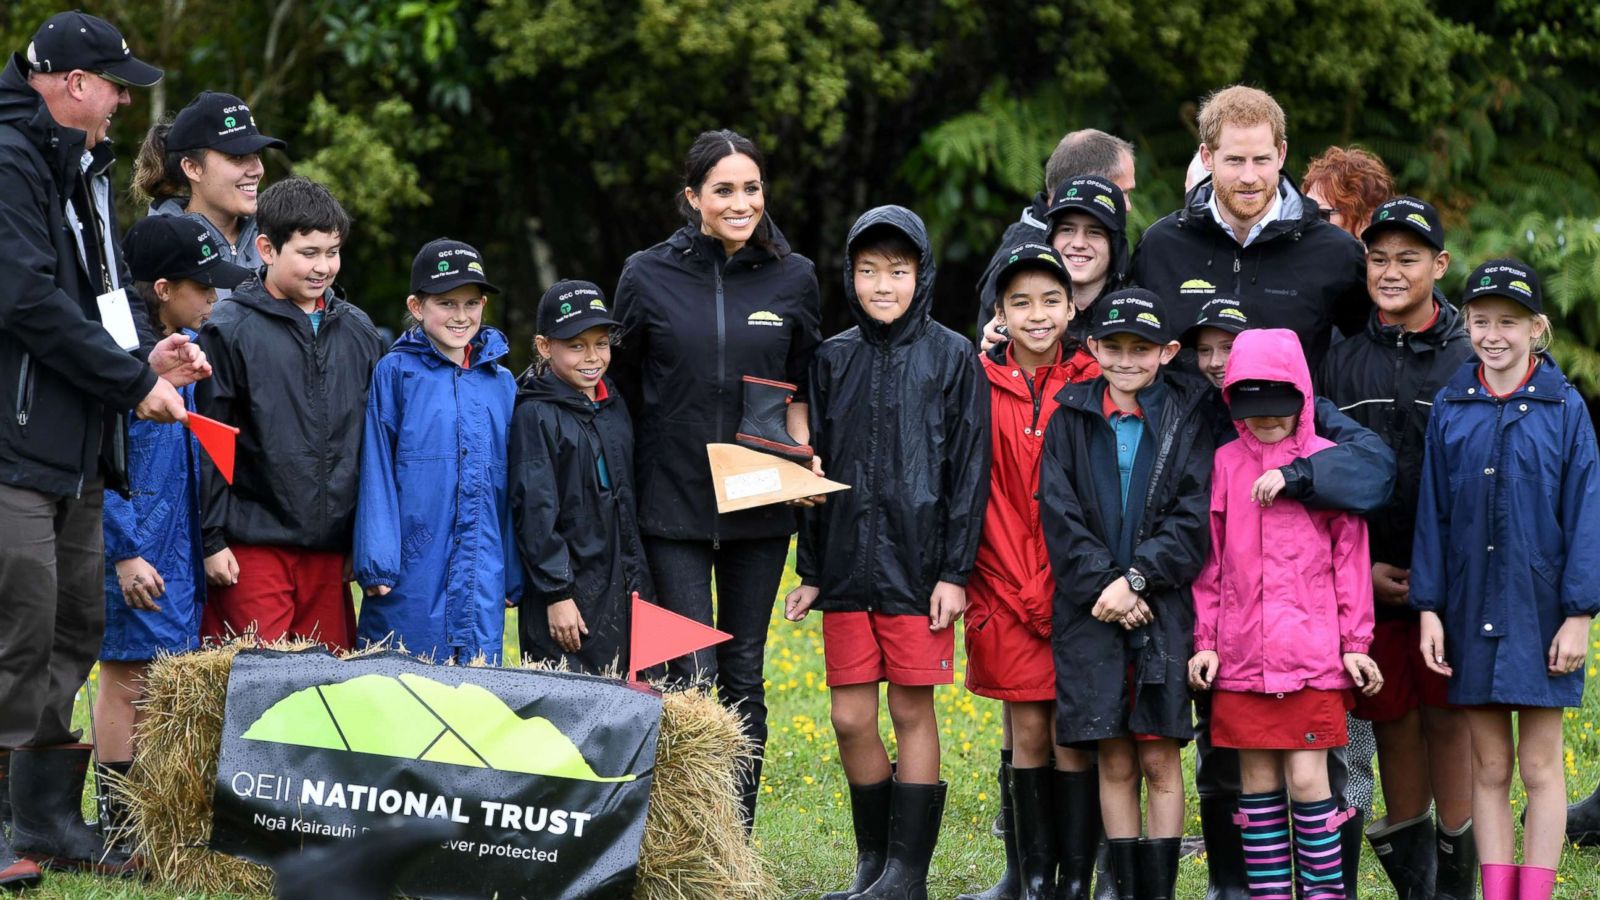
(1535, 883)
(1499, 881)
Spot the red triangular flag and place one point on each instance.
(217, 440)
(658, 635)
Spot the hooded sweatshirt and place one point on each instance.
(1287, 589)
(900, 412)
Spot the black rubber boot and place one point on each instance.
(765, 423)
(869, 813)
(1105, 886)
(1583, 820)
(1009, 887)
(1350, 848)
(46, 812)
(1077, 811)
(1124, 854)
(1034, 824)
(116, 828)
(915, 813)
(16, 873)
(1457, 867)
(5, 790)
(1407, 853)
(1224, 850)
(997, 828)
(1158, 867)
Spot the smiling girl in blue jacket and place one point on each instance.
(1506, 566)
(433, 550)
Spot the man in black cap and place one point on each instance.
(72, 355)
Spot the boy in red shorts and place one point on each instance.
(900, 412)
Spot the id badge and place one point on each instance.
(117, 318)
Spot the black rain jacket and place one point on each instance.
(1301, 273)
(694, 323)
(299, 401)
(899, 412)
(64, 383)
(577, 538)
(1166, 537)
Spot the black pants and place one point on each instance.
(747, 574)
(52, 610)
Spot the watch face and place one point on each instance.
(1136, 581)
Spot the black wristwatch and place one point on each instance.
(1136, 581)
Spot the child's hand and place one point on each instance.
(1203, 669)
(222, 570)
(566, 625)
(798, 603)
(946, 605)
(141, 584)
(1391, 585)
(1116, 601)
(1365, 672)
(377, 590)
(1139, 617)
(1267, 487)
(1567, 650)
(1433, 644)
(817, 499)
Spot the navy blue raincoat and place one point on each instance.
(432, 519)
(1507, 545)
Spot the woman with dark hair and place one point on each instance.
(719, 311)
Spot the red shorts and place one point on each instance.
(1303, 720)
(869, 647)
(283, 592)
(1006, 660)
(1407, 680)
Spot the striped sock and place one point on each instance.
(1263, 821)
(1317, 850)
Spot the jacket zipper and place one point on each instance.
(722, 360)
(25, 390)
(881, 377)
(1169, 433)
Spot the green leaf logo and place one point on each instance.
(229, 122)
(205, 251)
(566, 308)
(1072, 192)
(1484, 282)
(1114, 314)
(444, 265)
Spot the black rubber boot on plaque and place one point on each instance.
(46, 812)
(1225, 873)
(1158, 867)
(1034, 825)
(869, 814)
(765, 425)
(1123, 854)
(1583, 820)
(1077, 811)
(116, 826)
(915, 813)
(1456, 875)
(1406, 850)
(1009, 887)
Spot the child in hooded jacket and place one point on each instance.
(572, 494)
(1505, 567)
(1283, 620)
(432, 543)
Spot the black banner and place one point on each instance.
(548, 774)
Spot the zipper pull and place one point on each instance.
(1236, 265)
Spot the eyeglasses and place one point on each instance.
(1326, 214)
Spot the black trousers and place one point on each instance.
(747, 577)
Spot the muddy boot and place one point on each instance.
(1457, 867)
(1407, 852)
(46, 810)
(1158, 867)
(16, 873)
(1583, 821)
(1009, 887)
(869, 813)
(1105, 885)
(1124, 856)
(1077, 811)
(915, 813)
(1034, 825)
(765, 423)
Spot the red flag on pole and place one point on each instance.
(658, 635)
(217, 440)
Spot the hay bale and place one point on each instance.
(694, 844)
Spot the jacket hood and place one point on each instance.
(545, 387)
(1274, 354)
(919, 312)
(488, 345)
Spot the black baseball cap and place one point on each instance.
(1221, 312)
(1093, 195)
(221, 122)
(1035, 256)
(75, 40)
(174, 247)
(1248, 399)
(1508, 278)
(1417, 216)
(1133, 311)
(570, 308)
(442, 265)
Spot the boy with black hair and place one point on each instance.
(1124, 487)
(292, 359)
(899, 411)
(1386, 379)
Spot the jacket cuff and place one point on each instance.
(1205, 643)
(957, 580)
(215, 543)
(1571, 609)
(1297, 479)
(1354, 645)
(1423, 604)
(373, 582)
(810, 581)
(549, 598)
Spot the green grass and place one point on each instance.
(803, 828)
